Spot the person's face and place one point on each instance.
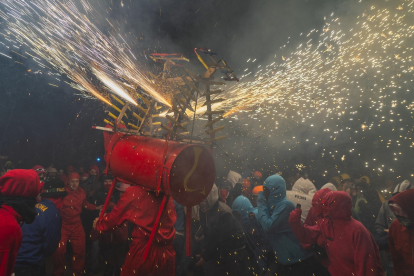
(84, 178)
(52, 175)
(204, 206)
(348, 190)
(42, 176)
(81, 170)
(107, 184)
(74, 184)
(93, 172)
(266, 192)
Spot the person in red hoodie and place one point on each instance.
(18, 192)
(315, 212)
(140, 207)
(64, 177)
(401, 233)
(350, 246)
(72, 229)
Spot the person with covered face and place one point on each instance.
(72, 206)
(224, 241)
(350, 246)
(41, 172)
(140, 206)
(401, 233)
(257, 242)
(302, 193)
(382, 225)
(18, 192)
(274, 209)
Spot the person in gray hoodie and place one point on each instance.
(224, 241)
(302, 193)
(382, 225)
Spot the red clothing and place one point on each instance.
(315, 212)
(10, 239)
(140, 207)
(72, 229)
(22, 183)
(400, 238)
(350, 246)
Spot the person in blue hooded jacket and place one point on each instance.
(273, 216)
(257, 242)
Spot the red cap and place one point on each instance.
(257, 189)
(94, 167)
(23, 183)
(73, 175)
(39, 169)
(85, 174)
(70, 168)
(257, 173)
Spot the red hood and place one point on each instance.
(319, 196)
(338, 205)
(70, 168)
(405, 201)
(22, 183)
(94, 167)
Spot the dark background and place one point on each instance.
(47, 125)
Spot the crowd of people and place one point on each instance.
(247, 225)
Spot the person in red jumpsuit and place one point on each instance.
(350, 246)
(401, 233)
(18, 192)
(72, 229)
(140, 207)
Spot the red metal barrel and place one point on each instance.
(186, 171)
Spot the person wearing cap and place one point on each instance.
(41, 172)
(40, 238)
(255, 194)
(256, 179)
(401, 233)
(51, 174)
(18, 192)
(72, 229)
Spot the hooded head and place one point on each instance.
(304, 186)
(20, 183)
(257, 175)
(403, 186)
(402, 205)
(73, 181)
(337, 206)
(317, 200)
(234, 178)
(94, 170)
(243, 206)
(19, 190)
(329, 186)
(41, 172)
(70, 169)
(365, 179)
(210, 200)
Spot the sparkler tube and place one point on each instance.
(188, 173)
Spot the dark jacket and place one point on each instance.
(386, 217)
(223, 234)
(40, 238)
(401, 238)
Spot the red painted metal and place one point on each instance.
(184, 171)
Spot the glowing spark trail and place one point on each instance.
(58, 32)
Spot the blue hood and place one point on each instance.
(277, 198)
(243, 206)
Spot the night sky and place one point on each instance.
(44, 121)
